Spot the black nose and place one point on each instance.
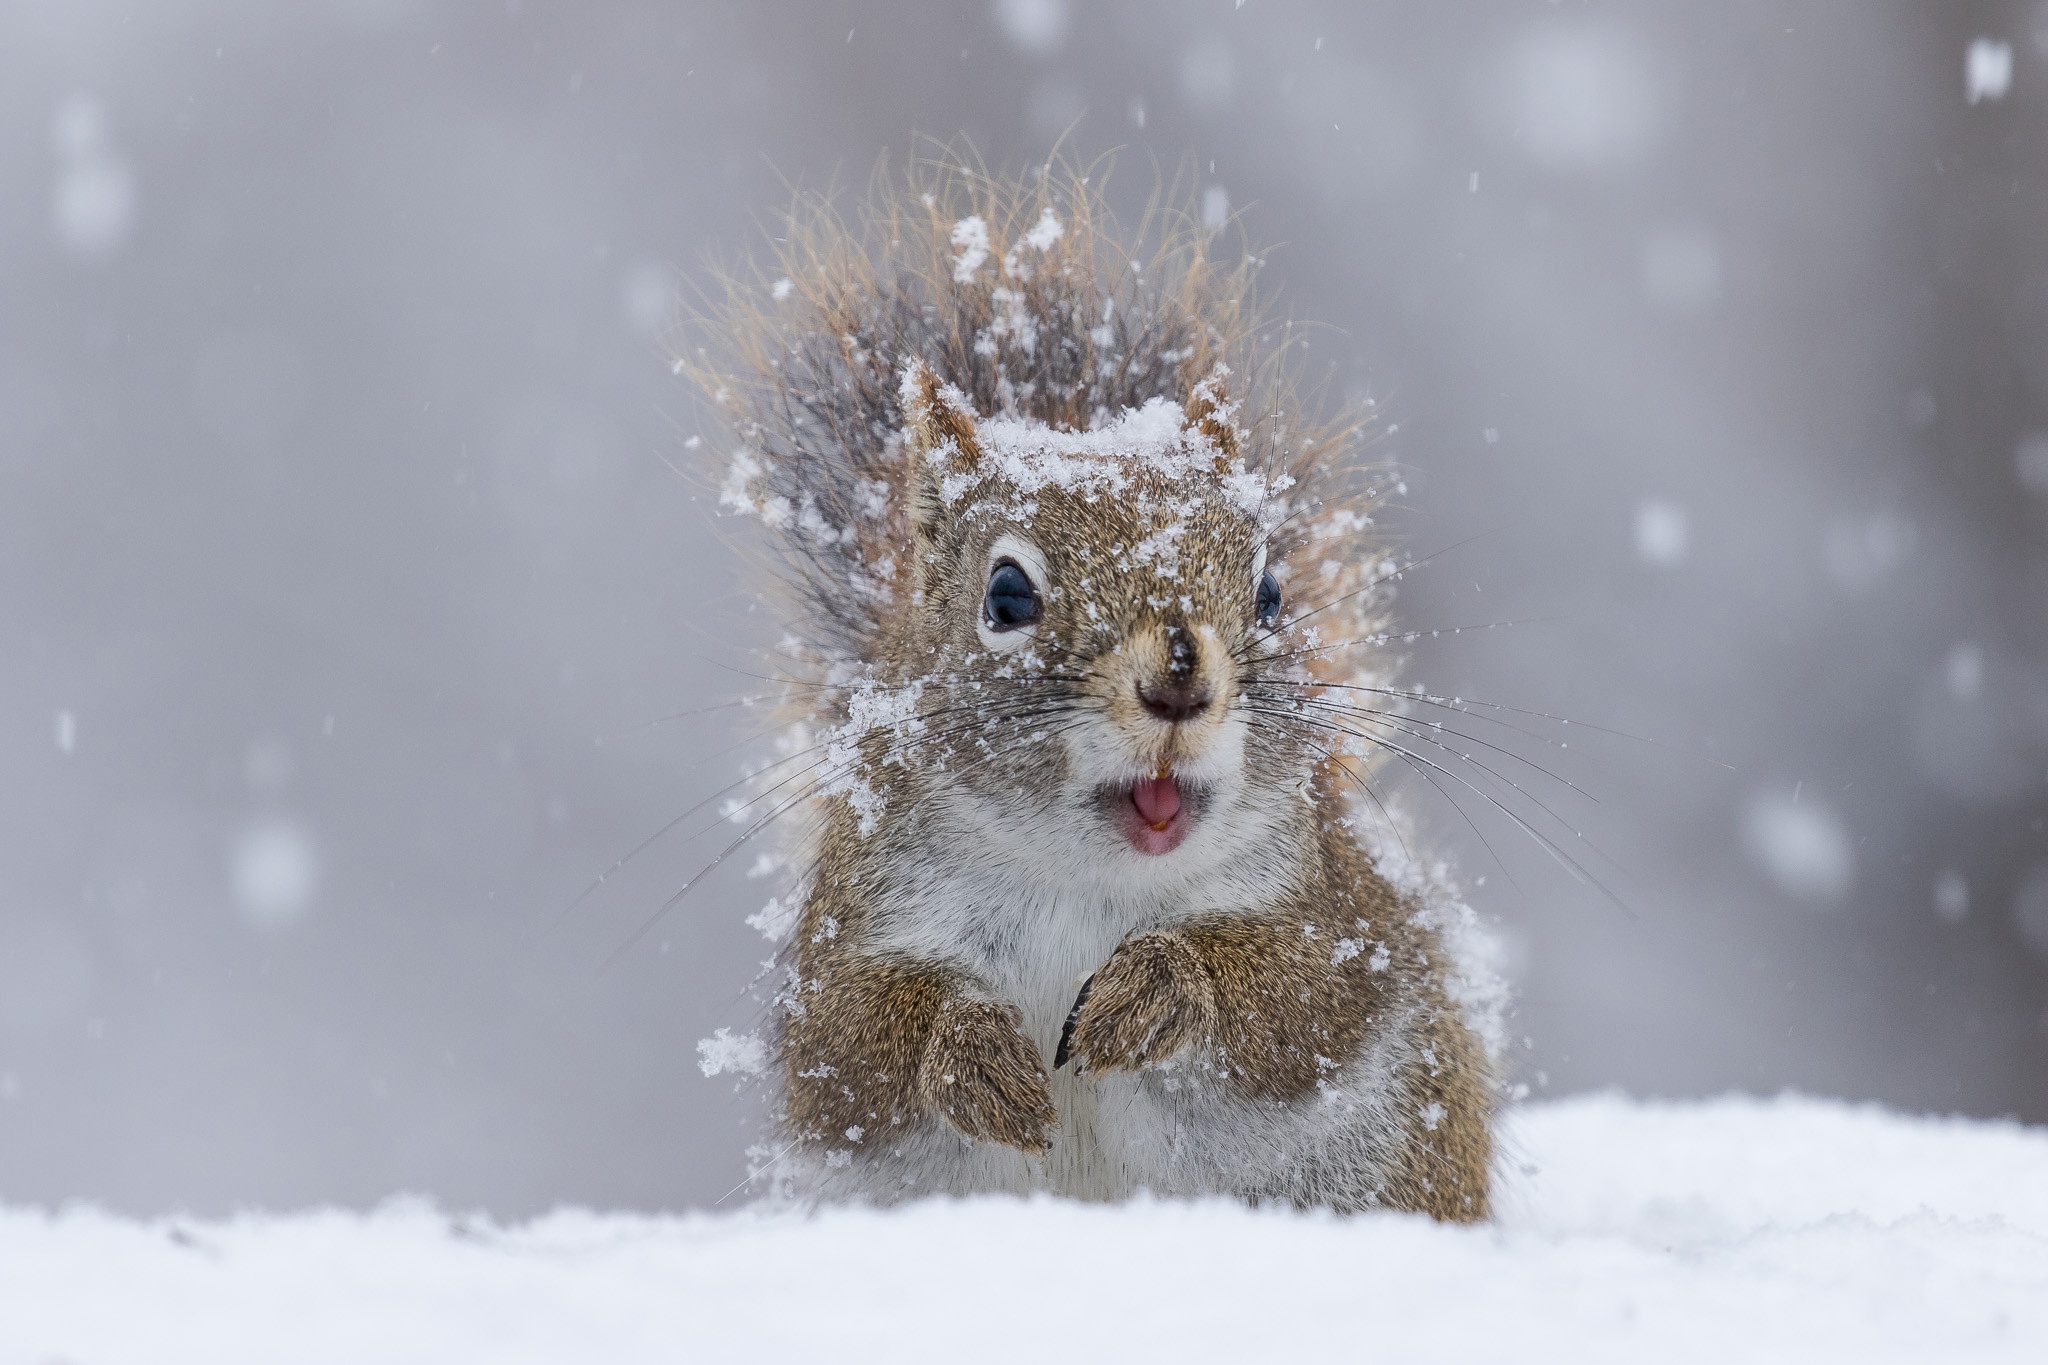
(1173, 702)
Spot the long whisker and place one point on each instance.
(752, 1176)
(1466, 705)
(1534, 800)
(697, 878)
(1336, 761)
(750, 700)
(1463, 814)
(1424, 729)
(1463, 703)
(1386, 577)
(1392, 637)
(1544, 841)
(885, 686)
(670, 825)
(1315, 687)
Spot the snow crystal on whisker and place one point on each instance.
(742, 1054)
(775, 919)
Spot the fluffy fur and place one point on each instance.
(994, 981)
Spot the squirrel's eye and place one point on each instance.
(1012, 602)
(1267, 604)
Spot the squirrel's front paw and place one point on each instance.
(1151, 999)
(985, 1076)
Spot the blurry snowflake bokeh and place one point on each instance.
(363, 597)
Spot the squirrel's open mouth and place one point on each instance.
(1155, 813)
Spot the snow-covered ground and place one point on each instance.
(1787, 1229)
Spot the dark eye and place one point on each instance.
(1011, 602)
(1268, 601)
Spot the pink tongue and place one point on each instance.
(1157, 800)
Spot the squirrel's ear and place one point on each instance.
(939, 426)
(1210, 411)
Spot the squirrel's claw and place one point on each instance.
(1151, 999)
(1067, 1031)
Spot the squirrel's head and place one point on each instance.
(1090, 604)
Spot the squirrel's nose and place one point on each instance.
(1173, 702)
(1179, 695)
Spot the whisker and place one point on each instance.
(1464, 705)
(753, 699)
(1392, 637)
(1387, 577)
(1314, 687)
(752, 1176)
(1410, 726)
(1534, 800)
(1463, 814)
(822, 745)
(885, 686)
(1461, 703)
(697, 878)
(1337, 762)
(1543, 841)
(667, 827)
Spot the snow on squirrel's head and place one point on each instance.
(1067, 546)
(1107, 593)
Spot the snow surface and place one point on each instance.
(1788, 1229)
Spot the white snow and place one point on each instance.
(1755, 1230)
(1661, 533)
(2030, 462)
(1036, 26)
(1045, 231)
(275, 871)
(1032, 456)
(1802, 845)
(1965, 671)
(775, 919)
(1987, 70)
(647, 298)
(93, 205)
(1859, 553)
(742, 1054)
(1581, 96)
(970, 235)
(1215, 207)
(1952, 896)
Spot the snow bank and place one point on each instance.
(1790, 1229)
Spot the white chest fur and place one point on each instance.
(1033, 941)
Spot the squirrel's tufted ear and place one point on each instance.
(1211, 412)
(939, 425)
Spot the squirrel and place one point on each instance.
(1092, 900)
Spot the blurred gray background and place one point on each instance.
(344, 571)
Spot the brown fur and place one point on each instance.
(1155, 996)
(877, 1043)
(1265, 995)
(810, 383)
(984, 1076)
